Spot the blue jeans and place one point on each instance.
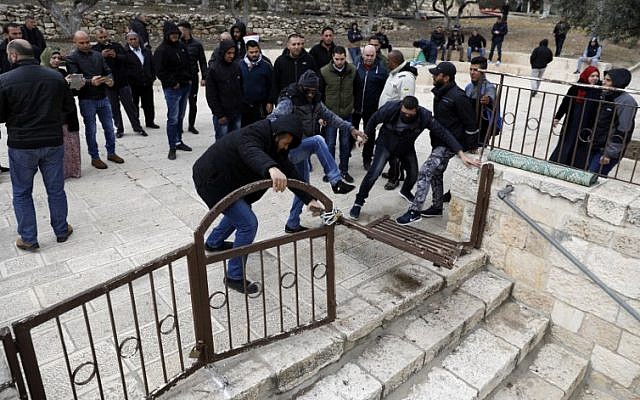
(24, 164)
(380, 157)
(331, 134)
(470, 50)
(355, 54)
(177, 100)
(299, 157)
(594, 163)
(233, 124)
(240, 218)
(88, 109)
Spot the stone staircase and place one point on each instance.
(414, 332)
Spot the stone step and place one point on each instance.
(554, 374)
(485, 357)
(413, 341)
(286, 365)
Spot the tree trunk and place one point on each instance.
(70, 21)
(245, 11)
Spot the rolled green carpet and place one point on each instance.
(542, 167)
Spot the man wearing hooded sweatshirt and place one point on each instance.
(224, 90)
(290, 65)
(253, 153)
(400, 83)
(540, 57)
(303, 99)
(238, 31)
(616, 121)
(173, 68)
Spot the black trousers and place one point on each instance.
(367, 149)
(253, 113)
(559, 43)
(193, 100)
(123, 95)
(144, 94)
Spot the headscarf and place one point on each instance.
(584, 78)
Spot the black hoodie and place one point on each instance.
(171, 59)
(245, 156)
(224, 84)
(240, 45)
(541, 56)
(288, 70)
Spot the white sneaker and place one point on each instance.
(497, 63)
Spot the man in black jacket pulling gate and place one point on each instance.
(258, 151)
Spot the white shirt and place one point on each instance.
(138, 52)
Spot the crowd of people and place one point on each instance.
(268, 116)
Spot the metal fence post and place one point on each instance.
(199, 288)
(29, 361)
(11, 353)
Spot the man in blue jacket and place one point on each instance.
(257, 78)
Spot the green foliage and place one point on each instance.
(612, 19)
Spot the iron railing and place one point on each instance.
(528, 127)
(138, 334)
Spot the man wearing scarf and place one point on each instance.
(257, 78)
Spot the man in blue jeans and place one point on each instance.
(258, 151)
(303, 99)
(173, 68)
(33, 103)
(93, 97)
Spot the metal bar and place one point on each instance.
(297, 283)
(504, 196)
(154, 301)
(226, 293)
(246, 297)
(29, 360)
(482, 205)
(175, 314)
(280, 290)
(331, 273)
(199, 290)
(408, 235)
(116, 346)
(264, 298)
(66, 358)
(137, 326)
(93, 350)
(11, 353)
(313, 282)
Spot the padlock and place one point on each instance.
(195, 352)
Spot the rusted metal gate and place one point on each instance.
(138, 334)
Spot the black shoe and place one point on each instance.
(408, 196)
(242, 285)
(354, 213)
(346, 177)
(408, 217)
(385, 175)
(391, 185)
(183, 147)
(366, 165)
(193, 130)
(342, 188)
(63, 238)
(300, 228)
(431, 212)
(141, 132)
(119, 134)
(4, 169)
(172, 154)
(153, 126)
(225, 246)
(447, 197)
(325, 179)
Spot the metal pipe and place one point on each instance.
(504, 196)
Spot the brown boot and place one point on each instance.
(115, 158)
(22, 245)
(98, 163)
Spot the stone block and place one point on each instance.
(488, 287)
(589, 393)
(613, 365)
(566, 316)
(627, 321)
(21, 303)
(618, 392)
(443, 323)
(559, 367)
(579, 248)
(513, 231)
(239, 378)
(565, 190)
(589, 229)
(570, 340)
(496, 251)
(391, 360)
(350, 382)
(601, 332)
(633, 212)
(482, 360)
(442, 384)
(629, 346)
(527, 268)
(615, 271)
(628, 244)
(609, 202)
(400, 289)
(529, 387)
(582, 294)
(536, 244)
(534, 298)
(518, 325)
(464, 266)
(298, 357)
(357, 318)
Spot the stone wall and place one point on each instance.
(601, 227)
(209, 25)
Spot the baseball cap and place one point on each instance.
(445, 68)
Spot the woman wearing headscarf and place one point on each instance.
(579, 108)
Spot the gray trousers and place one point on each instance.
(536, 73)
(430, 176)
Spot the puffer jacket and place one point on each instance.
(452, 109)
(400, 83)
(337, 88)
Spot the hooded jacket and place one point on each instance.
(245, 156)
(197, 57)
(403, 142)
(499, 31)
(241, 49)
(368, 87)
(541, 56)
(224, 84)
(477, 42)
(321, 55)
(171, 60)
(452, 109)
(616, 119)
(287, 70)
(400, 83)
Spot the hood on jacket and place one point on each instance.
(620, 77)
(240, 25)
(288, 124)
(544, 43)
(224, 46)
(407, 67)
(169, 28)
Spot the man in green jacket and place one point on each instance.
(336, 86)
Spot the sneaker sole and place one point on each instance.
(430, 216)
(405, 197)
(409, 222)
